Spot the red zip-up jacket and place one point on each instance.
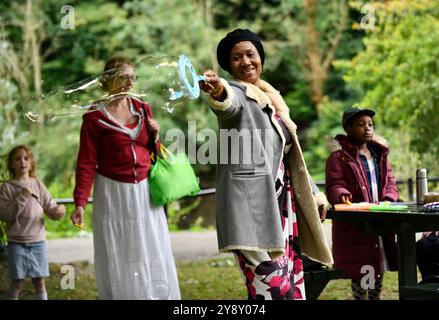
(105, 149)
(345, 174)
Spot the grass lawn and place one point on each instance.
(216, 279)
(220, 279)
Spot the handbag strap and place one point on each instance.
(164, 152)
(152, 145)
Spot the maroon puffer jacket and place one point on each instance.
(345, 174)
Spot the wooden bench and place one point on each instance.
(316, 280)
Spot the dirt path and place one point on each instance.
(186, 246)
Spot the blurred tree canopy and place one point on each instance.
(318, 54)
(398, 75)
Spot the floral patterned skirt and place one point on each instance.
(283, 278)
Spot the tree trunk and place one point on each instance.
(318, 65)
(313, 53)
(31, 26)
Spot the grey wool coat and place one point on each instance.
(252, 145)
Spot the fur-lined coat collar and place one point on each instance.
(342, 142)
(267, 96)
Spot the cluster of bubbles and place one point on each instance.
(161, 81)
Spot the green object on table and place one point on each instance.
(383, 207)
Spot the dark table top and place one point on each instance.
(412, 219)
(405, 223)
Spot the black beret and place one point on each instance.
(228, 42)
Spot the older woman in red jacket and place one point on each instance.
(358, 170)
(132, 245)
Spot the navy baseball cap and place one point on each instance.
(352, 113)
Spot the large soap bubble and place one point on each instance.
(164, 82)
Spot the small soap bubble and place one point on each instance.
(158, 290)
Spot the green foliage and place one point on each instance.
(318, 135)
(135, 29)
(177, 215)
(394, 71)
(3, 237)
(145, 29)
(283, 28)
(299, 100)
(12, 129)
(64, 228)
(398, 74)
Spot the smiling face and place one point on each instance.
(360, 129)
(245, 62)
(123, 80)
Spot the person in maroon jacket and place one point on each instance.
(358, 170)
(133, 256)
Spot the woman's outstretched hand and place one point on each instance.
(212, 85)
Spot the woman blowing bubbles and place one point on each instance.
(266, 214)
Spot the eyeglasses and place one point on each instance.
(128, 77)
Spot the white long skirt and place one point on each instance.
(132, 246)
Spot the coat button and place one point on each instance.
(363, 187)
(376, 246)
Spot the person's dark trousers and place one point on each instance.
(427, 250)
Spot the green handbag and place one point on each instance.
(171, 178)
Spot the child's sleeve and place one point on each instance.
(49, 205)
(11, 205)
(336, 184)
